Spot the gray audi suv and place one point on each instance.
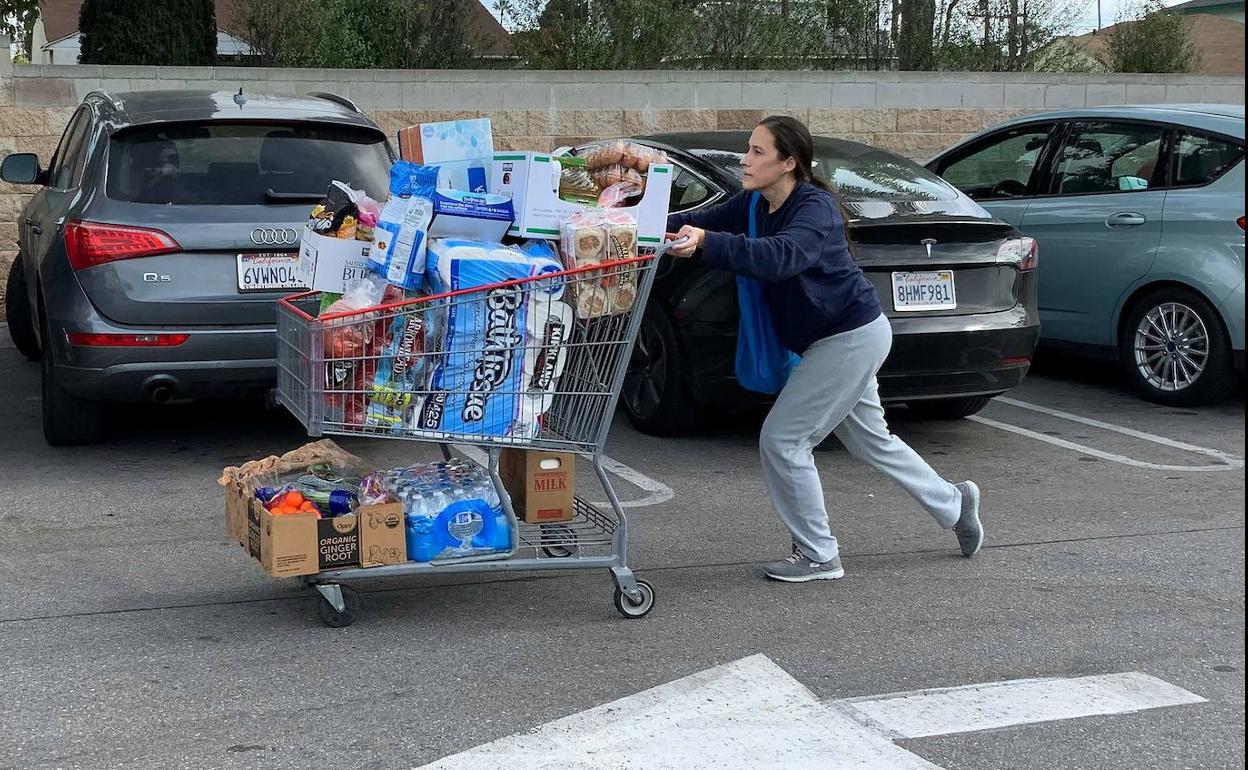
(165, 227)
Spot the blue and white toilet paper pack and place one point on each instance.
(479, 384)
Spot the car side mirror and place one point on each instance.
(22, 168)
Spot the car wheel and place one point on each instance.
(656, 394)
(17, 312)
(1175, 350)
(949, 408)
(67, 419)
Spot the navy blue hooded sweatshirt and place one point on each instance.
(813, 286)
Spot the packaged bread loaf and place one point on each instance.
(608, 240)
(620, 161)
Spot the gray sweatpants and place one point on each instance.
(834, 389)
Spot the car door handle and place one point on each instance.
(1125, 219)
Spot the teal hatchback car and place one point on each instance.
(1139, 214)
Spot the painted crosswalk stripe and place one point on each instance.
(1023, 701)
(751, 713)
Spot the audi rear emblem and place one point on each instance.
(275, 236)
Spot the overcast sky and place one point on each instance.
(1109, 13)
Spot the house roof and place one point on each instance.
(1197, 5)
(60, 17)
(60, 20)
(1220, 42)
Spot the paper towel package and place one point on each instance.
(401, 237)
(549, 329)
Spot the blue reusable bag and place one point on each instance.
(763, 362)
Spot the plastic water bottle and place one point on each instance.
(421, 537)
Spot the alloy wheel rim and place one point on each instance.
(1171, 347)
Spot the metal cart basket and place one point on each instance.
(536, 363)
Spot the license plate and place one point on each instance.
(924, 291)
(269, 271)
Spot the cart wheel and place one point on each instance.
(335, 619)
(635, 609)
(559, 551)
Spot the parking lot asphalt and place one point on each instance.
(136, 636)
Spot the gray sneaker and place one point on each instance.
(969, 530)
(800, 569)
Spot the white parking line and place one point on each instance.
(1225, 462)
(657, 491)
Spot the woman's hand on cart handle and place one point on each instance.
(686, 242)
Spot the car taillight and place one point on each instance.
(92, 243)
(90, 340)
(1024, 252)
(1240, 222)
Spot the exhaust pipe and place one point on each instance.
(162, 391)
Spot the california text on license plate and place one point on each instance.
(269, 271)
(924, 291)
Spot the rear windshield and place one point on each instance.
(858, 172)
(239, 164)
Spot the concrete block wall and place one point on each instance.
(915, 114)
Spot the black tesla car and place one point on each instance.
(958, 286)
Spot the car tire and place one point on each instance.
(17, 312)
(949, 408)
(67, 419)
(656, 396)
(1175, 349)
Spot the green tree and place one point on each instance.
(17, 20)
(916, 27)
(1007, 35)
(159, 32)
(595, 34)
(363, 34)
(1003, 35)
(695, 34)
(1151, 39)
(746, 34)
(1064, 56)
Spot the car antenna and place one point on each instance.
(239, 98)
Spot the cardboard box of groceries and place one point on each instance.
(306, 543)
(531, 180)
(541, 484)
(331, 264)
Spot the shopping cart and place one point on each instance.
(536, 363)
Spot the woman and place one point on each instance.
(825, 310)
